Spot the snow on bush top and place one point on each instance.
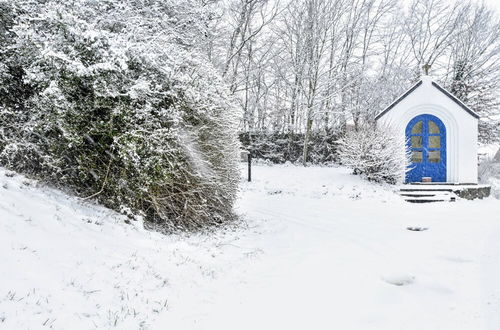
(115, 100)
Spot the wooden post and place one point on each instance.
(249, 158)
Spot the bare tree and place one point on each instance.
(247, 19)
(431, 26)
(474, 59)
(306, 67)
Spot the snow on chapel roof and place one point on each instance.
(436, 85)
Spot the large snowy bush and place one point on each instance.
(117, 102)
(376, 153)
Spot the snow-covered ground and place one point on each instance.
(320, 249)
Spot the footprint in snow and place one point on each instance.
(399, 279)
(417, 228)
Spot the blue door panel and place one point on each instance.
(426, 138)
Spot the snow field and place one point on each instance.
(319, 249)
(70, 264)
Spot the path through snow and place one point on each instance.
(321, 249)
(336, 254)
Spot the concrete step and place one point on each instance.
(442, 191)
(427, 195)
(430, 199)
(433, 189)
(419, 193)
(421, 201)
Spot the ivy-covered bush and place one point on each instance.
(376, 153)
(115, 101)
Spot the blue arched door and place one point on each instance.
(426, 136)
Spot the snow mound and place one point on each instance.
(399, 279)
(68, 264)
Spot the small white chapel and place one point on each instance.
(440, 130)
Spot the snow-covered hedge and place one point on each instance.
(376, 153)
(279, 148)
(115, 100)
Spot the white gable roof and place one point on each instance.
(438, 87)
